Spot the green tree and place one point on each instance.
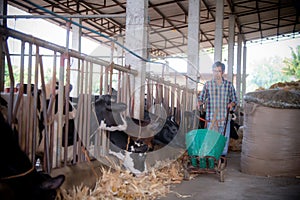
(293, 64)
(265, 73)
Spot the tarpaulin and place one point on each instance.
(204, 142)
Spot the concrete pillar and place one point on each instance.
(120, 51)
(193, 42)
(136, 41)
(231, 41)
(219, 30)
(244, 71)
(76, 45)
(238, 71)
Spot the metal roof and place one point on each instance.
(168, 19)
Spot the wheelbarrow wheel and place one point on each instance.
(186, 175)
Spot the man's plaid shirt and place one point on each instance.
(217, 97)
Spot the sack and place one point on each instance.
(204, 142)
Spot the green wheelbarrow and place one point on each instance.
(203, 153)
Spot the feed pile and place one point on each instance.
(119, 184)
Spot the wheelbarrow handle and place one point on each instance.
(226, 121)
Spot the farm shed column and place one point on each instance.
(231, 40)
(244, 72)
(193, 42)
(238, 70)
(136, 41)
(219, 30)
(120, 51)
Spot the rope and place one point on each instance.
(202, 119)
(89, 161)
(18, 175)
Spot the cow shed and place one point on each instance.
(271, 142)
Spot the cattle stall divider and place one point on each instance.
(28, 108)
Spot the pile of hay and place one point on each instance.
(279, 95)
(118, 184)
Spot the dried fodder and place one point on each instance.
(275, 98)
(118, 184)
(293, 85)
(279, 95)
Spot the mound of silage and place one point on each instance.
(275, 98)
(279, 95)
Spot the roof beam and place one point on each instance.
(259, 20)
(165, 18)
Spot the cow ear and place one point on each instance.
(53, 183)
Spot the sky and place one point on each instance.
(255, 52)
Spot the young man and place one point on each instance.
(218, 95)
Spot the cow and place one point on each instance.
(67, 132)
(132, 153)
(234, 126)
(71, 122)
(3, 105)
(129, 137)
(169, 134)
(18, 177)
(108, 114)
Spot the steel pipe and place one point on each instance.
(61, 16)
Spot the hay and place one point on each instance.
(118, 184)
(279, 95)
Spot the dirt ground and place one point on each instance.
(237, 185)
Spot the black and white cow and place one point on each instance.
(69, 129)
(18, 177)
(71, 122)
(130, 152)
(169, 134)
(130, 138)
(234, 126)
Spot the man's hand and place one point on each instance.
(199, 105)
(231, 105)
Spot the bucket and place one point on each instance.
(204, 142)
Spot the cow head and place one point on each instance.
(18, 177)
(169, 134)
(108, 113)
(234, 126)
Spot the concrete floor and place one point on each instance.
(237, 185)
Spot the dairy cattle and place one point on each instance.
(234, 126)
(71, 122)
(3, 105)
(18, 177)
(130, 152)
(130, 138)
(169, 134)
